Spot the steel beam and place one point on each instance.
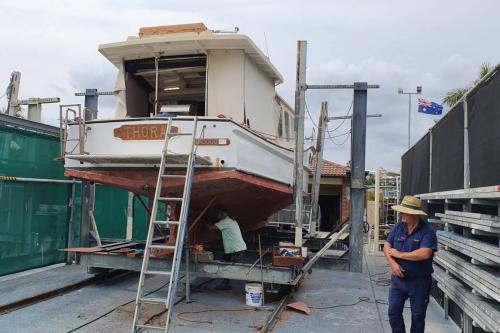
(358, 147)
(339, 86)
(91, 98)
(213, 269)
(91, 101)
(71, 224)
(376, 115)
(300, 101)
(85, 214)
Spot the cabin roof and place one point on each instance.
(173, 44)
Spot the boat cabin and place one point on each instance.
(189, 70)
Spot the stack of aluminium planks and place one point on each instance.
(467, 269)
(467, 265)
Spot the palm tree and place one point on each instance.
(454, 95)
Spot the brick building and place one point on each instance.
(333, 193)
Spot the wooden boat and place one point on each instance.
(245, 129)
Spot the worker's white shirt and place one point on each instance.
(231, 235)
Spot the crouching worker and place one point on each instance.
(234, 245)
(409, 250)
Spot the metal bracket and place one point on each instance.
(377, 115)
(355, 86)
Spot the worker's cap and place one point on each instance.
(410, 205)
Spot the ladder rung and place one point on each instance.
(157, 273)
(151, 327)
(154, 300)
(164, 247)
(170, 199)
(166, 222)
(173, 176)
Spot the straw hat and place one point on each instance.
(410, 205)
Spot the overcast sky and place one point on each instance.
(438, 45)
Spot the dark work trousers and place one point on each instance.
(235, 256)
(417, 290)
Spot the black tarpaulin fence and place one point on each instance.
(440, 154)
(448, 152)
(484, 134)
(415, 168)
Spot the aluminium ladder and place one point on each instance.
(169, 301)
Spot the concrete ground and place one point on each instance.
(109, 306)
(28, 284)
(337, 291)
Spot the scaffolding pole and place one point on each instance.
(376, 220)
(91, 100)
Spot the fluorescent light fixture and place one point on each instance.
(178, 108)
(171, 88)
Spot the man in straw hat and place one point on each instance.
(409, 250)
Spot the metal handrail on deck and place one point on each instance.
(64, 120)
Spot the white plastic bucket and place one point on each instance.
(253, 293)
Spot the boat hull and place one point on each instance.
(250, 199)
(249, 175)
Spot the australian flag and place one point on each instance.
(428, 107)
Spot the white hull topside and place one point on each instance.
(246, 151)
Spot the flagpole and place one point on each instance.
(418, 92)
(409, 120)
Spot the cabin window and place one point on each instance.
(280, 124)
(287, 125)
(181, 86)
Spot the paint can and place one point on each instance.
(253, 293)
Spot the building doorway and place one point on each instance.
(330, 212)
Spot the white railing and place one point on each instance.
(72, 114)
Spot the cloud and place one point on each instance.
(386, 42)
(387, 136)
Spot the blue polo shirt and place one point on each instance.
(422, 236)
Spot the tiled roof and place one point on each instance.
(330, 169)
